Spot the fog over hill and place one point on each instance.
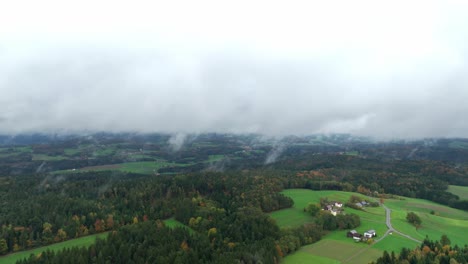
(386, 70)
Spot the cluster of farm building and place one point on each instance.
(361, 237)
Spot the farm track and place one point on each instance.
(388, 222)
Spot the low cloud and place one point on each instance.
(377, 77)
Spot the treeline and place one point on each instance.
(412, 178)
(39, 210)
(430, 252)
(152, 242)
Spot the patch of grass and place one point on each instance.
(13, 151)
(47, 157)
(395, 242)
(352, 153)
(27, 149)
(213, 158)
(291, 217)
(77, 242)
(71, 151)
(424, 206)
(302, 257)
(433, 226)
(458, 144)
(204, 144)
(143, 167)
(139, 157)
(8, 154)
(461, 191)
(296, 216)
(338, 252)
(172, 223)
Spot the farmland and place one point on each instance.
(296, 216)
(331, 251)
(143, 167)
(449, 221)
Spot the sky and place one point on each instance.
(385, 69)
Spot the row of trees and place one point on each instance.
(440, 252)
(424, 179)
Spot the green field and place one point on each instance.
(461, 191)
(296, 216)
(424, 206)
(304, 257)
(92, 150)
(143, 167)
(78, 242)
(335, 247)
(395, 242)
(446, 220)
(433, 226)
(331, 251)
(458, 144)
(13, 151)
(71, 151)
(214, 158)
(47, 157)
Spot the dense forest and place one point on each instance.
(219, 186)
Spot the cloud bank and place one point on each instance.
(377, 69)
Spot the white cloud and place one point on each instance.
(275, 67)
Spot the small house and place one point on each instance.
(353, 233)
(370, 233)
(338, 204)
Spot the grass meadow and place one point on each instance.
(172, 223)
(78, 242)
(143, 167)
(445, 220)
(335, 247)
(461, 191)
(328, 251)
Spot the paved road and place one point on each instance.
(390, 227)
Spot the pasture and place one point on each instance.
(445, 220)
(335, 247)
(303, 257)
(424, 206)
(77, 242)
(460, 191)
(143, 167)
(395, 242)
(296, 216)
(331, 251)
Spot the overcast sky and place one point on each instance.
(376, 68)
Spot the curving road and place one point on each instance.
(390, 229)
(388, 222)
